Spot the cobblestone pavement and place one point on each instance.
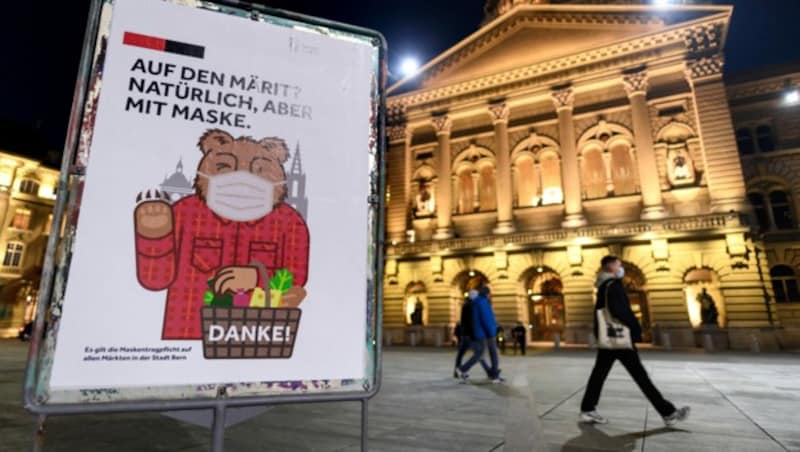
(741, 402)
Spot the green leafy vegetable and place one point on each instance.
(282, 280)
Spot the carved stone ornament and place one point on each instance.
(563, 98)
(635, 83)
(396, 132)
(442, 124)
(499, 112)
(704, 67)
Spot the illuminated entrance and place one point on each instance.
(545, 294)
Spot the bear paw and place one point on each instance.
(153, 215)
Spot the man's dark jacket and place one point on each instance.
(618, 304)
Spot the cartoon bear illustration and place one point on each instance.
(236, 218)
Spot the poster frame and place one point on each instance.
(71, 175)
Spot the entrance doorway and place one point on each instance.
(545, 293)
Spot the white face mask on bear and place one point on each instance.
(239, 195)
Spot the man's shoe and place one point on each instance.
(681, 414)
(461, 375)
(498, 380)
(592, 417)
(455, 372)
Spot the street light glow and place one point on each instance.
(662, 2)
(792, 97)
(409, 66)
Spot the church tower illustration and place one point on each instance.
(177, 185)
(296, 183)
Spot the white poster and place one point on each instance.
(223, 228)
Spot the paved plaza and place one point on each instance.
(741, 402)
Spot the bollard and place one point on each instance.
(556, 341)
(754, 346)
(708, 343)
(437, 339)
(412, 339)
(666, 341)
(387, 338)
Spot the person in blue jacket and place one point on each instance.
(484, 332)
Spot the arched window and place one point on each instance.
(764, 138)
(744, 139)
(622, 169)
(487, 194)
(785, 284)
(594, 174)
(607, 163)
(527, 182)
(781, 210)
(551, 179)
(475, 180)
(760, 210)
(13, 256)
(466, 192)
(29, 187)
(537, 168)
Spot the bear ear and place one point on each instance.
(213, 139)
(276, 147)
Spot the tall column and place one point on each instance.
(721, 159)
(563, 99)
(398, 214)
(505, 210)
(444, 211)
(636, 86)
(408, 174)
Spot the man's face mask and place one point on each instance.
(620, 273)
(239, 195)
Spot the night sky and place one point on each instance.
(41, 47)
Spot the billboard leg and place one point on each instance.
(38, 434)
(218, 429)
(364, 427)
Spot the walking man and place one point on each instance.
(465, 331)
(611, 293)
(484, 331)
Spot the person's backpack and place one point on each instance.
(467, 319)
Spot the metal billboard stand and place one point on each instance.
(68, 192)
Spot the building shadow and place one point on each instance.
(593, 439)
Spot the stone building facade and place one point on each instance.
(562, 131)
(27, 196)
(766, 114)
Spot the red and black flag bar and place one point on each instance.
(163, 45)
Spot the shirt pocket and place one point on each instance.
(266, 253)
(206, 254)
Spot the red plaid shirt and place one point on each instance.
(201, 243)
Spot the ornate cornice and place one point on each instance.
(704, 68)
(635, 83)
(395, 114)
(763, 86)
(499, 112)
(397, 132)
(563, 98)
(443, 124)
(677, 226)
(620, 55)
(704, 38)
